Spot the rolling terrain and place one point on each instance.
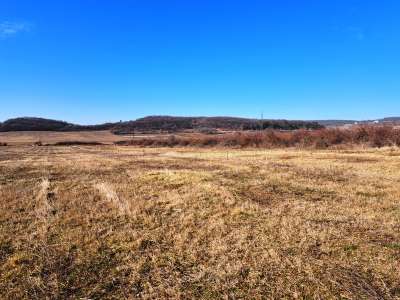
(177, 124)
(41, 124)
(156, 124)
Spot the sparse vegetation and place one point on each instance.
(110, 222)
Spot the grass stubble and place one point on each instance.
(109, 222)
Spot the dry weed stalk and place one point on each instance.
(111, 196)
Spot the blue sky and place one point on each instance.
(94, 61)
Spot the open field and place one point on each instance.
(20, 138)
(52, 137)
(108, 222)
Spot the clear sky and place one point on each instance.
(90, 61)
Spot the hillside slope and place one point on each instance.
(41, 124)
(171, 124)
(174, 124)
(156, 123)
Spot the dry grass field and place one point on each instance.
(49, 137)
(108, 222)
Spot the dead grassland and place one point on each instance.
(109, 222)
(53, 137)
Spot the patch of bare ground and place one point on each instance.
(125, 223)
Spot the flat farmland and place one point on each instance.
(114, 222)
(20, 138)
(53, 137)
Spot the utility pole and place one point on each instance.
(262, 121)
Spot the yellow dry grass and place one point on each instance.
(52, 137)
(107, 222)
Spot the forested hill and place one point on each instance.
(41, 124)
(174, 124)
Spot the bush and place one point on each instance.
(381, 136)
(77, 143)
(373, 136)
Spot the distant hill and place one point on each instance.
(329, 123)
(32, 124)
(175, 124)
(391, 119)
(41, 124)
(157, 123)
(172, 124)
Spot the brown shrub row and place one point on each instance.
(373, 136)
(77, 143)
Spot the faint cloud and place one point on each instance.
(357, 32)
(351, 31)
(10, 29)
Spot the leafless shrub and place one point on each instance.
(373, 136)
(77, 143)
